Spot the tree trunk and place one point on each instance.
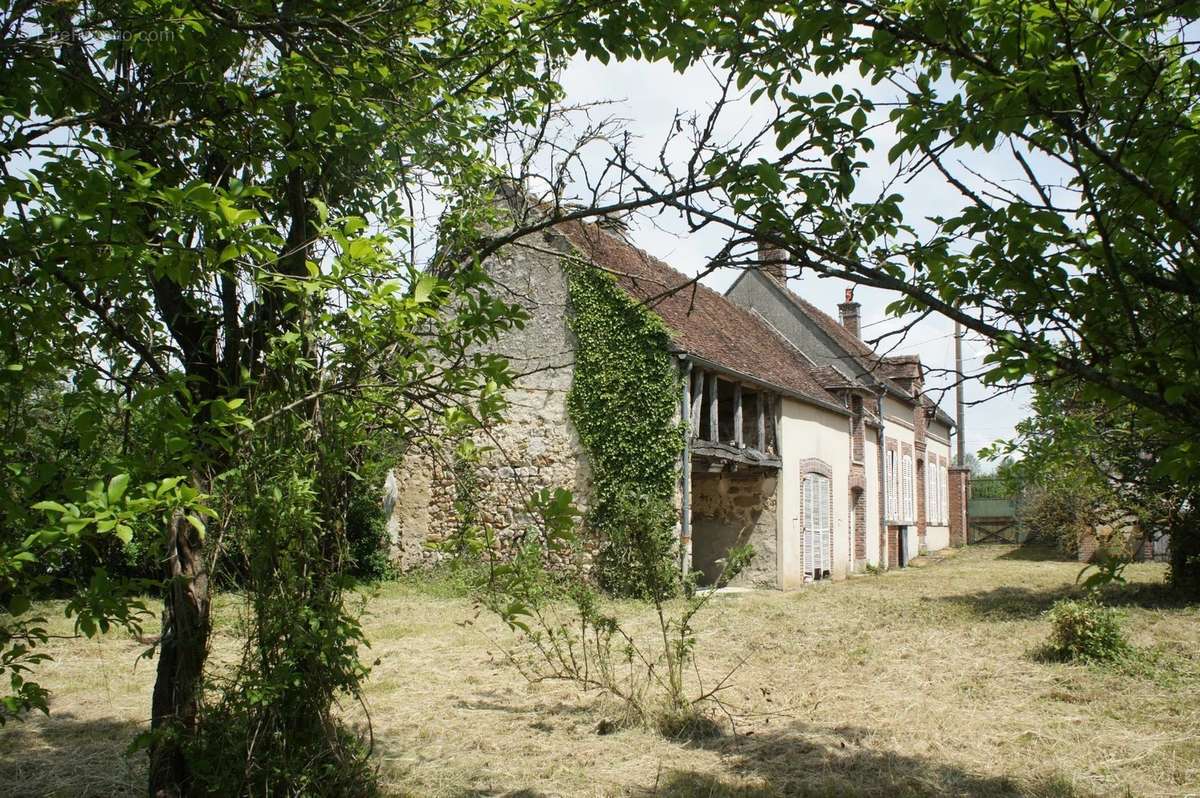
(181, 655)
(1185, 560)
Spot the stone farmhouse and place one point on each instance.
(824, 457)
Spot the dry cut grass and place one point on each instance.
(918, 682)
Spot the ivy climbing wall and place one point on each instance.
(624, 400)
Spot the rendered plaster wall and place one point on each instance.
(808, 432)
(937, 451)
(871, 493)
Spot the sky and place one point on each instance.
(647, 97)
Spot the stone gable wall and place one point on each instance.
(536, 446)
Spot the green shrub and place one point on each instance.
(1084, 630)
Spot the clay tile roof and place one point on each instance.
(702, 321)
(829, 377)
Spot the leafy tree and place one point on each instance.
(1069, 128)
(1084, 464)
(209, 228)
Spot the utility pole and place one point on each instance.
(958, 391)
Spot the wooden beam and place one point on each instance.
(686, 409)
(737, 414)
(685, 489)
(761, 442)
(772, 430)
(697, 403)
(713, 430)
(727, 454)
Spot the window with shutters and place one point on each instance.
(939, 497)
(818, 539)
(943, 493)
(930, 492)
(937, 493)
(933, 505)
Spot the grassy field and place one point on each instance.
(918, 682)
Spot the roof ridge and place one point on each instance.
(695, 281)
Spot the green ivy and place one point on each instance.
(622, 401)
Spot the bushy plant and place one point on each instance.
(1057, 507)
(1086, 631)
(568, 632)
(366, 532)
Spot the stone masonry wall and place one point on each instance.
(735, 509)
(535, 447)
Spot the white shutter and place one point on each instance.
(809, 506)
(888, 489)
(818, 537)
(826, 538)
(907, 488)
(930, 514)
(945, 495)
(937, 496)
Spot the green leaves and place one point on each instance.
(622, 401)
(116, 488)
(423, 288)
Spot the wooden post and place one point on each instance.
(762, 422)
(737, 414)
(685, 477)
(697, 404)
(714, 434)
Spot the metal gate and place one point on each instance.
(991, 512)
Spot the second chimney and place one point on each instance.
(848, 311)
(773, 261)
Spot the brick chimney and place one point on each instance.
(848, 312)
(773, 261)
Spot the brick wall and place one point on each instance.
(960, 484)
(858, 483)
(858, 506)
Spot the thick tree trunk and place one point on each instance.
(1185, 560)
(181, 655)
